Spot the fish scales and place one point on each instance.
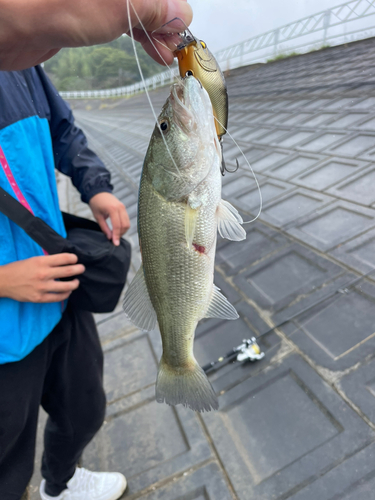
(179, 278)
(180, 212)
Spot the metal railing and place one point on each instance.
(153, 82)
(330, 26)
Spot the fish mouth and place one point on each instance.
(181, 88)
(179, 93)
(182, 108)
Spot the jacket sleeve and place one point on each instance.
(71, 153)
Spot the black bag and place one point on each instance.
(106, 264)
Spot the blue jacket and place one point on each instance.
(37, 134)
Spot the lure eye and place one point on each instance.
(189, 73)
(203, 44)
(164, 126)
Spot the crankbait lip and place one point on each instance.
(185, 35)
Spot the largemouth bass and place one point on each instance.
(180, 211)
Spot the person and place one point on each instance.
(50, 353)
(32, 31)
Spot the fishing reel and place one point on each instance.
(249, 350)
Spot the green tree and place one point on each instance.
(101, 66)
(106, 61)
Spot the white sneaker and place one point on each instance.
(87, 485)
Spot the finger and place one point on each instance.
(171, 41)
(67, 271)
(162, 55)
(155, 14)
(116, 226)
(164, 52)
(60, 259)
(54, 297)
(61, 286)
(104, 226)
(181, 10)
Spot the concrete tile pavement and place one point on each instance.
(298, 424)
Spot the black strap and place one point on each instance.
(14, 210)
(35, 227)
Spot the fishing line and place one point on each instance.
(172, 34)
(163, 44)
(129, 2)
(143, 80)
(150, 39)
(252, 171)
(234, 141)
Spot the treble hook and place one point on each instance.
(224, 168)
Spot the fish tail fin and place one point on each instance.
(187, 386)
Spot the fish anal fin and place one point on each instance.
(220, 307)
(229, 222)
(137, 303)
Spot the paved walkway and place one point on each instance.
(299, 424)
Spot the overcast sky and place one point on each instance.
(221, 23)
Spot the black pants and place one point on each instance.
(64, 375)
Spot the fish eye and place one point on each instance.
(189, 73)
(164, 126)
(203, 44)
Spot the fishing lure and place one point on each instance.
(195, 59)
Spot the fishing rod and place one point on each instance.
(249, 350)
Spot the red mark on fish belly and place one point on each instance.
(199, 248)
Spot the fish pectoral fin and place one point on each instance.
(219, 307)
(137, 303)
(191, 215)
(229, 222)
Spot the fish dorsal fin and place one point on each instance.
(137, 304)
(219, 307)
(229, 222)
(191, 216)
